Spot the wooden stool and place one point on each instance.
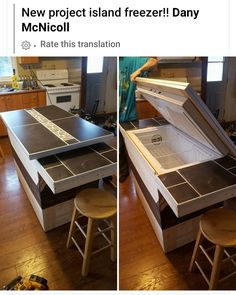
(219, 227)
(95, 204)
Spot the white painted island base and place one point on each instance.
(51, 217)
(175, 236)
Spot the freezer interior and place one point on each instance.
(168, 149)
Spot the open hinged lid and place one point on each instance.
(184, 109)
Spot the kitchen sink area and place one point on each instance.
(9, 89)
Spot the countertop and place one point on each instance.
(61, 131)
(22, 91)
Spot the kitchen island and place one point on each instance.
(56, 155)
(183, 164)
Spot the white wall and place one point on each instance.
(230, 94)
(111, 86)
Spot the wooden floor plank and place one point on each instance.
(7, 275)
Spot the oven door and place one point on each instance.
(65, 101)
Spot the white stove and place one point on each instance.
(60, 91)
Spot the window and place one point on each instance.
(94, 64)
(215, 68)
(7, 64)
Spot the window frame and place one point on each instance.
(88, 70)
(216, 62)
(14, 66)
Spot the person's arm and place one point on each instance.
(149, 64)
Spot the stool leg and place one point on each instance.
(196, 250)
(216, 267)
(72, 227)
(88, 246)
(113, 238)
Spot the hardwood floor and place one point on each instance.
(26, 249)
(143, 264)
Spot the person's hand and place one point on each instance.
(134, 75)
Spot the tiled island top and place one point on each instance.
(49, 130)
(77, 161)
(69, 150)
(70, 169)
(200, 180)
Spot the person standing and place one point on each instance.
(130, 68)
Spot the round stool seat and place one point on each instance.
(219, 227)
(95, 203)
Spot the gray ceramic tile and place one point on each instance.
(18, 118)
(170, 179)
(52, 112)
(127, 126)
(59, 173)
(81, 129)
(227, 162)
(72, 141)
(183, 192)
(82, 160)
(112, 156)
(101, 147)
(36, 138)
(233, 170)
(208, 177)
(48, 162)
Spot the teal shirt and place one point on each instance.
(127, 88)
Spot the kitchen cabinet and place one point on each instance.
(25, 60)
(29, 100)
(18, 101)
(33, 99)
(3, 108)
(145, 110)
(41, 98)
(13, 102)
